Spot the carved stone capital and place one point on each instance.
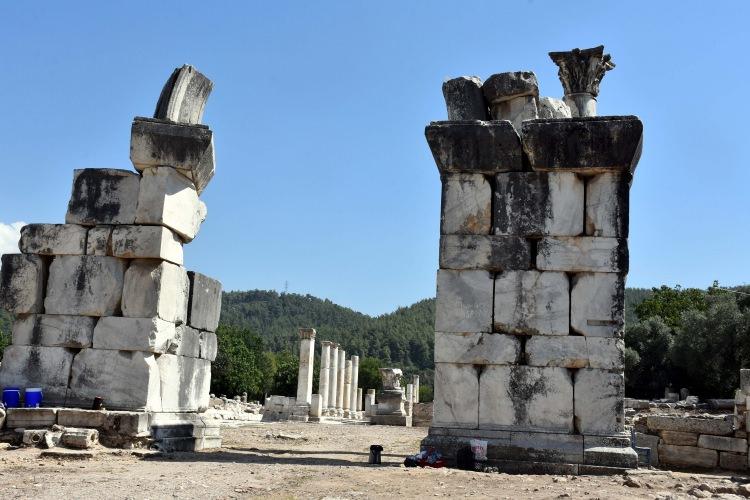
(307, 333)
(581, 70)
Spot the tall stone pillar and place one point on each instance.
(530, 287)
(409, 398)
(415, 382)
(306, 356)
(348, 388)
(333, 375)
(325, 368)
(355, 381)
(359, 399)
(340, 383)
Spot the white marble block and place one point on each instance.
(134, 334)
(146, 242)
(526, 398)
(186, 342)
(169, 199)
(532, 302)
(127, 380)
(582, 254)
(456, 399)
(22, 281)
(606, 353)
(493, 253)
(99, 241)
(85, 285)
(466, 204)
(53, 239)
(155, 289)
(476, 348)
(575, 351)
(53, 330)
(103, 196)
(316, 406)
(597, 304)
(464, 301)
(549, 107)
(185, 382)
(35, 366)
(208, 346)
(608, 205)
(599, 398)
(204, 303)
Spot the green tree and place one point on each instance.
(369, 374)
(287, 369)
(238, 361)
(647, 369)
(670, 303)
(425, 394)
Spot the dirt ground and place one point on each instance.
(294, 460)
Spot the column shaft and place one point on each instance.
(325, 359)
(340, 389)
(348, 385)
(355, 381)
(306, 356)
(333, 377)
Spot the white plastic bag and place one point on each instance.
(479, 448)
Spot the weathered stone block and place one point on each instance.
(544, 447)
(476, 348)
(204, 303)
(134, 334)
(687, 456)
(504, 86)
(723, 443)
(608, 205)
(146, 242)
(52, 330)
(85, 285)
(532, 302)
(186, 342)
(714, 426)
(493, 253)
(550, 107)
(22, 282)
(650, 442)
(31, 418)
(53, 239)
(155, 289)
(732, 461)
(745, 380)
(184, 96)
(456, 400)
(609, 456)
(127, 380)
(103, 196)
(564, 351)
(99, 241)
(188, 148)
(208, 346)
(679, 438)
(466, 204)
(538, 204)
(597, 304)
(606, 353)
(35, 366)
(587, 145)
(464, 99)
(185, 382)
(168, 198)
(464, 301)
(582, 254)
(525, 398)
(599, 401)
(475, 147)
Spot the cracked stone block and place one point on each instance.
(185, 383)
(186, 342)
(168, 198)
(538, 204)
(599, 398)
(464, 99)
(38, 366)
(475, 147)
(146, 242)
(155, 289)
(608, 205)
(574, 351)
(204, 306)
(526, 398)
(512, 96)
(134, 334)
(184, 96)
(679, 438)
(723, 443)
(466, 205)
(208, 346)
(54, 330)
(85, 285)
(493, 253)
(476, 348)
(582, 254)
(187, 148)
(99, 241)
(550, 107)
(606, 353)
(127, 380)
(532, 303)
(464, 301)
(23, 278)
(53, 239)
(589, 145)
(456, 400)
(103, 196)
(688, 456)
(719, 426)
(597, 304)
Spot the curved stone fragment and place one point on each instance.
(184, 96)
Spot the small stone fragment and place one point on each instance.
(464, 99)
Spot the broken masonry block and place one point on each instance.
(464, 99)
(22, 281)
(608, 205)
(103, 196)
(204, 306)
(53, 239)
(186, 342)
(549, 107)
(147, 242)
(85, 285)
(512, 96)
(155, 289)
(99, 241)
(133, 334)
(184, 95)
(208, 346)
(597, 303)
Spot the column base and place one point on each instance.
(396, 420)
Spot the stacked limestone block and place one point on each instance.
(533, 258)
(103, 304)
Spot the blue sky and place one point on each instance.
(324, 179)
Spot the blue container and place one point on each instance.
(12, 397)
(33, 397)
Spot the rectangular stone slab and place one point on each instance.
(204, 304)
(688, 456)
(679, 438)
(714, 426)
(464, 99)
(531, 303)
(155, 289)
(476, 348)
(582, 254)
(36, 366)
(456, 400)
(208, 346)
(186, 147)
(599, 398)
(23, 279)
(103, 196)
(53, 330)
(597, 304)
(588, 145)
(466, 204)
(147, 242)
(134, 334)
(608, 205)
(722, 443)
(85, 285)
(186, 342)
(493, 253)
(53, 239)
(464, 301)
(475, 146)
(185, 382)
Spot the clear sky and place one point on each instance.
(324, 181)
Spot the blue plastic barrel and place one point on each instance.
(33, 397)
(12, 397)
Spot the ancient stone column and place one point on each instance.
(306, 356)
(415, 382)
(359, 399)
(325, 359)
(580, 73)
(369, 402)
(355, 381)
(409, 398)
(348, 388)
(333, 375)
(340, 383)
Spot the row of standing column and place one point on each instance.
(338, 381)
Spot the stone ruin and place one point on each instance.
(103, 305)
(533, 259)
